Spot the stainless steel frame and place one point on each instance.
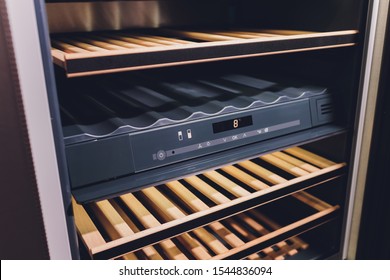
(365, 121)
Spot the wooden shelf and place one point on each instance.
(198, 209)
(235, 233)
(100, 53)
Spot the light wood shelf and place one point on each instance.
(100, 53)
(214, 215)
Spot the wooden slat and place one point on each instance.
(258, 34)
(304, 197)
(293, 247)
(255, 225)
(149, 221)
(116, 42)
(312, 201)
(196, 204)
(226, 183)
(100, 44)
(168, 246)
(284, 165)
(249, 237)
(284, 32)
(245, 178)
(277, 233)
(127, 38)
(190, 200)
(112, 222)
(82, 45)
(219, 198)
(257, 185)
(207, 190)
(247, 34)
(262, 172)
(58, 57)
(170, 212)
(173, 40)
(239, 35)
(90, 235)
(273, 225)
(67, 48)
(201, 35)
(310, 157)
(155, 39)
(301, 164)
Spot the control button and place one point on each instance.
(244, 135)
(266, 130)
(189, 133)
(208, 144)
(180, 135)
(200, 146)
(161, 155)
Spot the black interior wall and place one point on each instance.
(315, 15)
(374, 242)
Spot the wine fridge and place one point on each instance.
(194, 130)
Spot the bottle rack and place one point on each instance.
(108, 52)
(209, 214)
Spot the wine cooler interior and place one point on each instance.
(208, 130)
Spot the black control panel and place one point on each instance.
(173, 144)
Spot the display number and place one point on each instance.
(235, 123)
(232, 124)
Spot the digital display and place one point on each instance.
(232, 124)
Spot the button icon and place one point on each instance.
(189, 133)
(180, 135)
(208, 144)
(161, 155)
(200, 146)
(266, 130)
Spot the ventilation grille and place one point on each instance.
(326, 108)
(324, 111)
